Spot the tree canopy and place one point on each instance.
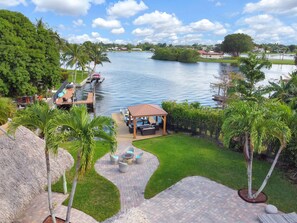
(176, 54)
(237, 43)
(29, 57)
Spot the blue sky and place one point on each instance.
(159, 21)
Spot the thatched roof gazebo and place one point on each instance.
(146, 110)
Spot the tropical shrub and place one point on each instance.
(192, 117)
(7, 109)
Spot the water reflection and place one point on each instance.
(134, 78)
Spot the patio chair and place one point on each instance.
(138, 158)
(114, 159)
(131, 150)
(123, 167)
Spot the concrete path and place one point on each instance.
(132, 183)
(38, 211)
(194, 200)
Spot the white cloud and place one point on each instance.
(118, 31)
(79, 38)
(159, 20)
(205, 25)
(120, 41)
(273, 6)
(98, 2)
(266, 28)
(142, 32)
(78, 23)
(11, 3)
(218, 4)
(99, 22)
(97, 38)
(94, 37)
(126, 8)
(65, 7)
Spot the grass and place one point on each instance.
(80, 76)
(235, 61)
(181, 156)
(223, 60)
(95, 195)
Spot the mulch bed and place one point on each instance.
(49, 220)
(243, 194)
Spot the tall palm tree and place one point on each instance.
(76, 57)
(257, 124)
(38, 117)
(83, 130)
(96, 54)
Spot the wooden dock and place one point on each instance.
(66, 101)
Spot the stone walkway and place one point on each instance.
(194, 200)
(38, 211)
(132, 183)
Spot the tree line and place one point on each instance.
(176, 54)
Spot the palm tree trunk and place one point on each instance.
(269, 173)
(49, 186)
(249, 158)
(74, 81)
(64, 183)
(73, 188)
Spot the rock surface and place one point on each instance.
(271, 209)
(23, 171)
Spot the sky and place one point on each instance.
(163, 21)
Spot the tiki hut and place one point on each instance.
(23, 171)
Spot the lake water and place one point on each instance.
(134, 78)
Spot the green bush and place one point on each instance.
(7, 109)
(176, 54)
(191, 117)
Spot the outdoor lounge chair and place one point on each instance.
(131, 150)
(123, 167)
(114, 159)
(138, 158)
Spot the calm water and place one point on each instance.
(134, 78)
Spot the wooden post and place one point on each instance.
(134, 127)
(164, 125)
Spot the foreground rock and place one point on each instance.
(23, 171)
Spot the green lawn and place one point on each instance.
(80, 76)
(181, 156)
(234, 61)
(95, 195)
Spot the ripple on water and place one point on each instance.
(134, 78)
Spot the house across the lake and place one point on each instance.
(211, 54)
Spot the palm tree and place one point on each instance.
(83, 130)
(96, 54)
(286, 90)
(257, 124)
(38, 118)
(76, 57)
